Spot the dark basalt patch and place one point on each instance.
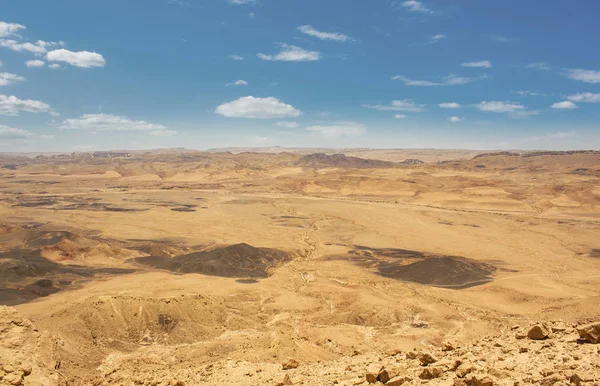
(453, 272)
(239, 260)
(26, 275)
(441, 271)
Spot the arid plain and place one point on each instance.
(182, 267)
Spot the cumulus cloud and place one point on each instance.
(54, 65)
(550, 136)
(338, 129)
(399, 116)
(450, 105)
(515, 110)
(587, 76)
(291, 53)
(109, 122)
(530, 93)
(35, 63)
(83, 59)
(499, 107)
(11, 105)
(258, 108)
(564, 105)
(238, 83)
(7, 132)
(450, 80)
(539, 66)
(7, 78)
(437, 38)
(38, 48)
(454, 119)
(403, 105)
(586, 97)
(7, 29)
(311, 31)
(416, 6)
(286, 124)
(235, 57)
(480, 64)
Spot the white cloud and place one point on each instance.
(259, 140)
(499, 107)
(416, 6)
(12, 133)
(235, 57)
(35, 63)
(564, 105)
(11, 105)
(251, 15)
(450, 105)
(83, 59)
(454, 119)
(109, 122)
(38, 48)
(289, 125)
(54, 65)
(291, 53)
(259, 108)
(403, 105)
(539, 66)
(47, 136)
(311, 31)
(502, 39)
(7, 78)
(238, 83)
(587, 76)
(7, 29)
(339, 129)
(240, 2)
(480, 64)
(451, 80)
(399, 116)
(551, 136)
(437, 38)
(530, 93)
(163, 133)
(586, 97)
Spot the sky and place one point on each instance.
(140, 74)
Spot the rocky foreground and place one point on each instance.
(550, 353)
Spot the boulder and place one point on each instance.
(290, 364)
(538, 332)
(426, 359)
(372, 374)
(590, 332)
(431, 373)
(397, 381)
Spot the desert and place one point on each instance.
(179, 267)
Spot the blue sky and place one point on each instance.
(138, 74)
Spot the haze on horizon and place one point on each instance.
(261, 73)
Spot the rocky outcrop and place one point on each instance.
(590, 332)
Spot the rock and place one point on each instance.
(411, 355)
(447, 346)
(480, 380)
(559, 327)
(15, 378)
(523, 349)
(383, 376)
(372, 374)
(431, 373)
(550, 380)
(426, 359)
(538, 332)
(578, 378)
(290, 364)
(590, 332)
(286, 380)
(397, 381)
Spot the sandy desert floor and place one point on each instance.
(197, 268)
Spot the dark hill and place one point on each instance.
(322, 160)
(238, 260)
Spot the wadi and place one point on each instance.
(300, 267)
